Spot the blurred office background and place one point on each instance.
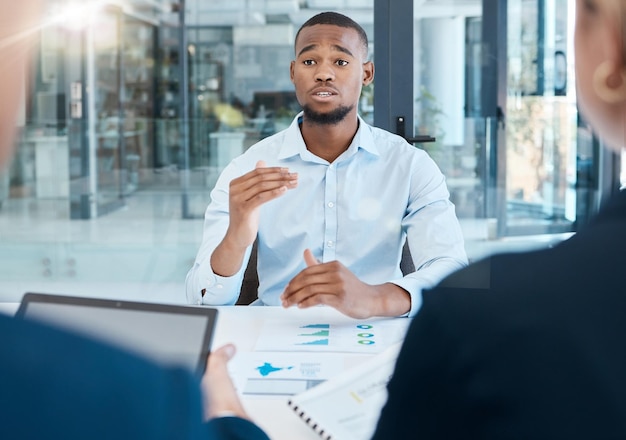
(133, 107)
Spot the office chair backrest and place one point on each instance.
(250, 283)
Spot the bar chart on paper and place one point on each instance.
(314, 334)
(353, 337)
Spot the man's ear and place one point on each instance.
(291, 68)
(368, 73)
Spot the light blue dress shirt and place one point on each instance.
(358, 210)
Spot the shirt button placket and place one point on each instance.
(330, 214)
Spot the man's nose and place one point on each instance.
(324, 73)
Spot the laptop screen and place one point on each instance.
(169, 334)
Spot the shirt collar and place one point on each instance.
(294, 143)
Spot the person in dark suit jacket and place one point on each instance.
(537, 354)
(533, 345)
(58, 385)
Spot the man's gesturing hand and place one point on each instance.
(247, 194)
(334, 285)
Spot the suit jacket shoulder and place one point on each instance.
(519, 345)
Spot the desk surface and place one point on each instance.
(241, 325)
(237, 325)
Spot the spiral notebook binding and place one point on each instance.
(311, 423)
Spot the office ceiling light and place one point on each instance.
(77, 15)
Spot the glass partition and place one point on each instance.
(104, 82)
(447, 75)
(542, 118)
(129, 118)
(514, 166)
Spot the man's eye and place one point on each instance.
(342, 63)
(308, 62)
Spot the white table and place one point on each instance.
(8, 308)
(241, 325)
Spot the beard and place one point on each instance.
(332, 117)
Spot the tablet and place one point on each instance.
(168, 334)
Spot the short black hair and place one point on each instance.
(336, 19)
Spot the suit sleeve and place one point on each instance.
(234, 428)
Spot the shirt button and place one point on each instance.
(199, 302)
(329, 243)
(218, 286)
(331, 204)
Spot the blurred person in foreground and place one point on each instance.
(63, 386)
(536, 349)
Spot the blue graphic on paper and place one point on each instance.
(266, 369)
